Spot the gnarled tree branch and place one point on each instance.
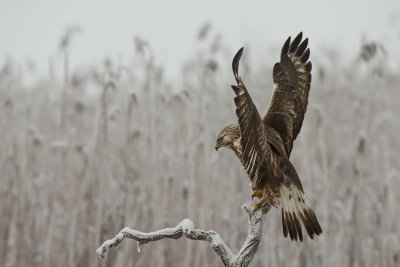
(186, 228)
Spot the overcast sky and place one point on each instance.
(32, 29)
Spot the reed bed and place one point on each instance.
(118, 145)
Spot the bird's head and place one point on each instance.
(227, 136)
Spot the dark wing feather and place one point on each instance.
(292, 80)
(255, 150)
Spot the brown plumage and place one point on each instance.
(263, 145)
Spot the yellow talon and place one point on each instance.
(256, 193)
(264, 209)
(259, 206)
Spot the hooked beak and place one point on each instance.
(217, 146)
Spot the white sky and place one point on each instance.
(32, 29)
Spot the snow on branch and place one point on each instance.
(186, 228)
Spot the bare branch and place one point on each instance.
(186, 228)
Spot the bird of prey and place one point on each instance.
(263, 144)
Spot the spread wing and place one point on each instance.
(289, 100)
(255, 150)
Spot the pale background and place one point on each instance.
(31, 29)
(114, 125)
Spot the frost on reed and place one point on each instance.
(137, 150)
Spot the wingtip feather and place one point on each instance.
(305, 56)
(285, 47)
(236, 59)
(295, 43)
(302, 47)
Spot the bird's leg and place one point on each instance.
(260, 204)
(256, 193)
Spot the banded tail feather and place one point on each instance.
(296, 211)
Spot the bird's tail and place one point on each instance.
(295, 209)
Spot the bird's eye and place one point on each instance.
(219, 139)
